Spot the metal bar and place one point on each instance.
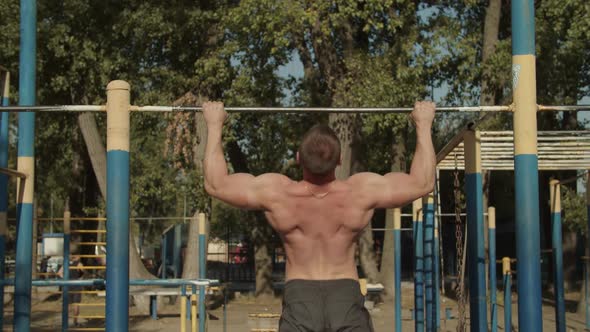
(26, 164)
(475, 227)
(543, 108)
(428, 208)
(418, 266)
(397, 267)
(202, 270)
(556, 240)
(279, 109)
(507, 294)
(586, 265)
(572, 179)
(4, 119)
(117, 289)
(526, 165)
(12, 172)
(154, 108)
(492, 268)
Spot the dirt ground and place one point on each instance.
(46, 315)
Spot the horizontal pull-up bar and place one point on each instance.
(457, 109)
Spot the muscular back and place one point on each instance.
(319, 233)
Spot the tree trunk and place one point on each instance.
(96, 149)
(488, 93)
(190, 269)
(97, 153)
(386, 273)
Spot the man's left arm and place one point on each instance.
(241, 190)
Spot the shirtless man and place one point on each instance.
(320, 218)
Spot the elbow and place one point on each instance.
(210, 189)
(427, 186)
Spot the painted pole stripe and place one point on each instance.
(525, 104)
(472, 148)
(418, 266)
(523, 27)
(26, 165)
(528, 252)
(118, 120)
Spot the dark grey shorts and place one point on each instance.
(324, 306)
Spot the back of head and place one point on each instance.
(319, 152)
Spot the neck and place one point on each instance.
(318, 180)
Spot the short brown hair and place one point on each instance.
(319, 151)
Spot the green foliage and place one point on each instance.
(574, 210)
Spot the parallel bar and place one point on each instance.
(556, 240)
(428, 208)
(526, 167)
(397, 266)
(492, 268)
(26, 164)
(418, 266)
(117, 290)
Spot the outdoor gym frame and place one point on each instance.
(118, 110)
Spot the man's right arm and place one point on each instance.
(397, 189)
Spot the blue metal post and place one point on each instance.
(528, 248)
(66, 271)
(26, 164)
(163, 254)
(3, 185)
(418, 267)
(176, 249)
(202, 271)
(475, 227)
(117, 290)
(397, 265)
(556, 240)
(428, 208)
(492, 267)
(437, 252)
(586, 261)
(507, 294)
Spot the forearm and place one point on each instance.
(424, 162)
(215, 167)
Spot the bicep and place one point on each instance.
(390, 190)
